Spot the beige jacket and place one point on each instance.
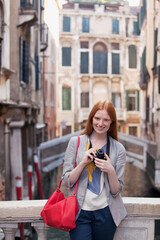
(118, 159)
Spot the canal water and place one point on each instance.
(136, 184)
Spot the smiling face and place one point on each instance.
(101, 122)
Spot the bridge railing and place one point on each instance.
(140, 152)
(139, 223)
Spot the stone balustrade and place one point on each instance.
(139, 223)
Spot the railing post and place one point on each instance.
(41, 229)
(9, 230)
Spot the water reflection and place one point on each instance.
(137, 183)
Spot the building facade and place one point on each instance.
(98, 60)
(51, 19)
(21, 90)
(149, 28)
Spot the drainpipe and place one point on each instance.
(7, 160)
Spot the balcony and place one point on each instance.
(139, 223)
(144, 78)
(43, 37)
(27, 13)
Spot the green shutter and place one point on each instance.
(155, 45)
(66, 98)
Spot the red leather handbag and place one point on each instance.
(60, 212)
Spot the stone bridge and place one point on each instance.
(140, 152)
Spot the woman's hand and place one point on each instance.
(76, 172)
(104, 165)
(89, 156)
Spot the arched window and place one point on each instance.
(132, 51)
(100, 60)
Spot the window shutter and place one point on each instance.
(85, 24)
(127, 100)
(25, 61)
(84, 62)
(132, 56)
(115, 26)
(135, 28)
(66, 56)
(100, 62)
(66, 24)
(155, 45)
(147, 109)
(115, 63)
(21, 58)
(36, 72)
(138, 99)
(113, 99)
(66, 98)
(84, 99)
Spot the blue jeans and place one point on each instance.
(94, 225)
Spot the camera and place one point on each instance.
(100, 154)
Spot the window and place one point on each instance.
(84, 55)
(155, 47)
(133, 131)
(24, 60)
(132, 100)
(66, 56)
(115, 26)
(135, 28)
(132, 56)
(26, 3)
(66, 24)
(36, 72)
(84, 44)
(116, 100)
(100, 58)
(147, 109)
(85, 25)
(66, 98)
(84, 62)
(115, 63)
(115, 46)
(84, 99)
(66, 130)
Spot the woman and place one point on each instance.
(100, 181)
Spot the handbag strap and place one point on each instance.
(75, 164)
(78, 142)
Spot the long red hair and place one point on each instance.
(109, 107)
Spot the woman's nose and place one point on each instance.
(101, 122)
